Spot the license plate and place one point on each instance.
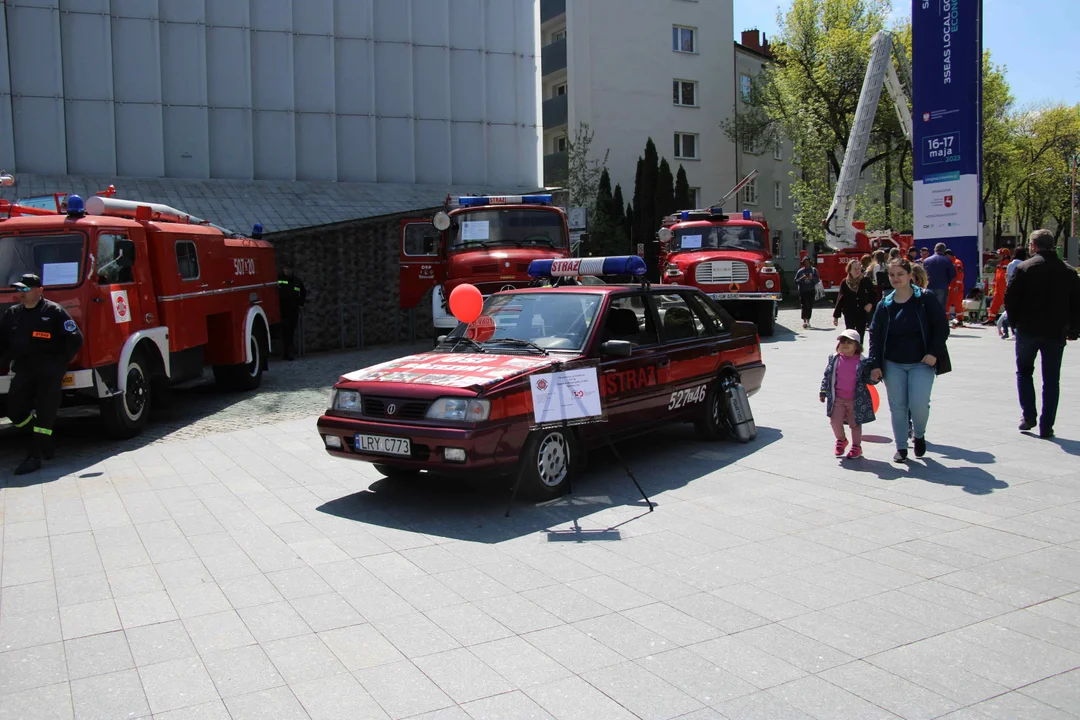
(381, 445)
(723, 296)
(68, 381)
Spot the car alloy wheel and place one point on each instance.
(553, 459)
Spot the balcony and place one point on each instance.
(553, 57)
(555, 112)
(551, 9)
(556, 168)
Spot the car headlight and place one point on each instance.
(346, 400)
(459, 409)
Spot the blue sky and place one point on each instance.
(1036, 40)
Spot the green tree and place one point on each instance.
(583, 172)
(999, 151)
(620, 236)
(1045, 138)
(601, 222)
(665, 193)
(682, 190)
(645, 194)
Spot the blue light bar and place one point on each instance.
(592, 266)
(746, 214)
(504, 200)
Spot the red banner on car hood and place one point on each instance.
(460, 370)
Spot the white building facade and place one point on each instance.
(435, 92)
(635, 69)
(770, 192)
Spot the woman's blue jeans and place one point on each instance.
(908, 386)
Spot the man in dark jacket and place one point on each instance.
(1043, 306)
(291, 295)
(41, 340)
(940, 272)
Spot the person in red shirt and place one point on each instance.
(1000, 282)
(956, 291)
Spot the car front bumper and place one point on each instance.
(489, 447)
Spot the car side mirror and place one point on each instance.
(617, 348)
(125, 253)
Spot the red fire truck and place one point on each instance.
(832, 264)
(157, 293)
(728, 257)
(487, 241)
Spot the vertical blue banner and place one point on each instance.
(946, 64)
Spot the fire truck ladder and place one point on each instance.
(886, 56)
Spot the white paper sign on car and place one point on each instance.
(59, 273)
(568, 395)
(691, 242)
(474, 230)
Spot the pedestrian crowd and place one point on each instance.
(905, 303)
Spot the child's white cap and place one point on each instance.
(852, 335)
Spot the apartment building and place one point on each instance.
(770, 193)
(635, 69)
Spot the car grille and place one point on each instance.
(403, 409)
(717, 272)
(486, 269)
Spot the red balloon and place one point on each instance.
(875, 400)
(466, 303)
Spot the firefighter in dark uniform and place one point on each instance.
(292, 296)
(41, 340)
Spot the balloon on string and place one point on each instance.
(875, 400)
(466, 303)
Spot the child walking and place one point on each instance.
(843, 389)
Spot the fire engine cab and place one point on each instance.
(487, 241)
(832, 264)
(728, 257)
(158, 294)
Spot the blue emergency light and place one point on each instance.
(591, 266)
(701, 214)
(75, 205)
(745, 214)
(504, 200)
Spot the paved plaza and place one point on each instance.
(222, 566)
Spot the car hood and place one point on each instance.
(454, 370)
(689, 257)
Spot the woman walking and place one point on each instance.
(856, 300)
(907, 349)
(806, 279)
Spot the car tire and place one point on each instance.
(766, 320)
(125, 416)
(712, 423)
(245, 376)
(549, 462)
(394, 472)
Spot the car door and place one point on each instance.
(692, 344)
(629, 385)
(115, 309)
(420, 261)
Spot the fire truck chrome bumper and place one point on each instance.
(74, 380)
(745, 296)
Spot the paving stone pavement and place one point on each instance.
(232, 570)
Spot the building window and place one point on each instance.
(686, 146)
(695, 195)
(750, 192)
(558, 35)
(558, 90)
(778, 150)
(561, 144)
(744, 87)
(750, 145)
(684, 92)
(683, 39)
(778, 195)
(778, 244)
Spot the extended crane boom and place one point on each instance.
(880, 71)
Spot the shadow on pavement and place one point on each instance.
(474, 511)
(978, 457)
(1070, 446)
(975, 481)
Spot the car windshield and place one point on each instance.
(56, 258)
(551, 320)
(736, 237)
(521, 227)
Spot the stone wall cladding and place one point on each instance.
(348, 265)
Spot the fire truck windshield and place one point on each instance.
(520, 227)
(731, 237)
(58, 259)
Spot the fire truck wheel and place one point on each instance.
(549, 462)
(766, 320)
(246, 376)
(124, 416)
(712, 424)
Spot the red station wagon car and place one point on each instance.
(661, 355)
